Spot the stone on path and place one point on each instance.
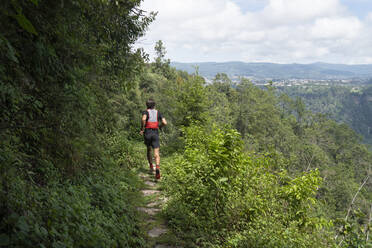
(143, 175)
(157, 231)
(151, 184)
(149, 211)
(163, 199)
(147, 192)
(152, 204)
(163, 246)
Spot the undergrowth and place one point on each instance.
(96, 209)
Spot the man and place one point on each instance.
(151, 121)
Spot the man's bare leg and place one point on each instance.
(157, 161)
(157, 156)
(149, 157)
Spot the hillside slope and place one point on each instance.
(278, 71)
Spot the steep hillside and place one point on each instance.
(350, 105)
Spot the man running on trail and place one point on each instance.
(151, 121)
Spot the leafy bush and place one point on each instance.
(96, 210)
(223, 196)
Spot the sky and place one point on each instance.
(277, 31)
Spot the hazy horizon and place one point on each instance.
(263, 62)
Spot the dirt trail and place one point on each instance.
(158, 234)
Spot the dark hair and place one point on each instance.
(150, 103)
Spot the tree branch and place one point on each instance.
(351, 206)
(369, 222)
(352, 202)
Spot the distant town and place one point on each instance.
(301, 82)
(284, 75)
(308, 82)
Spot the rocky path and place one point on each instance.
(158, 235)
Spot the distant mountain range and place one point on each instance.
(278, 71)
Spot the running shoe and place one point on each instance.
(157, 174)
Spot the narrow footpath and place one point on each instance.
(154, 223)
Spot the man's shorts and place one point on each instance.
(152, 138)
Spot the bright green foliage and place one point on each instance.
(220, 195)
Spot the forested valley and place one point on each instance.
(350, 104)
(241, 166)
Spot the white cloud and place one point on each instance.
(336, 28)
(369, 17)
(290, 11)
(284, 31)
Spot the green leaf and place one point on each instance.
(11, 53)
(38, 104)
(25, 23)
(223, 179)
(43, 231)
(4, 239)
(36, 2)
(22, 224)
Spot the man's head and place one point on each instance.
(150, 103)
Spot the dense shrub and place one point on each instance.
(65, 182)
(95, 210)
(220, 195)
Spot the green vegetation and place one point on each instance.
(346, 104)
(238, 200)
(244, 166)
(249, 167)
(66, 67)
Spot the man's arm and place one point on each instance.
(143, 124)
(163, 122)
